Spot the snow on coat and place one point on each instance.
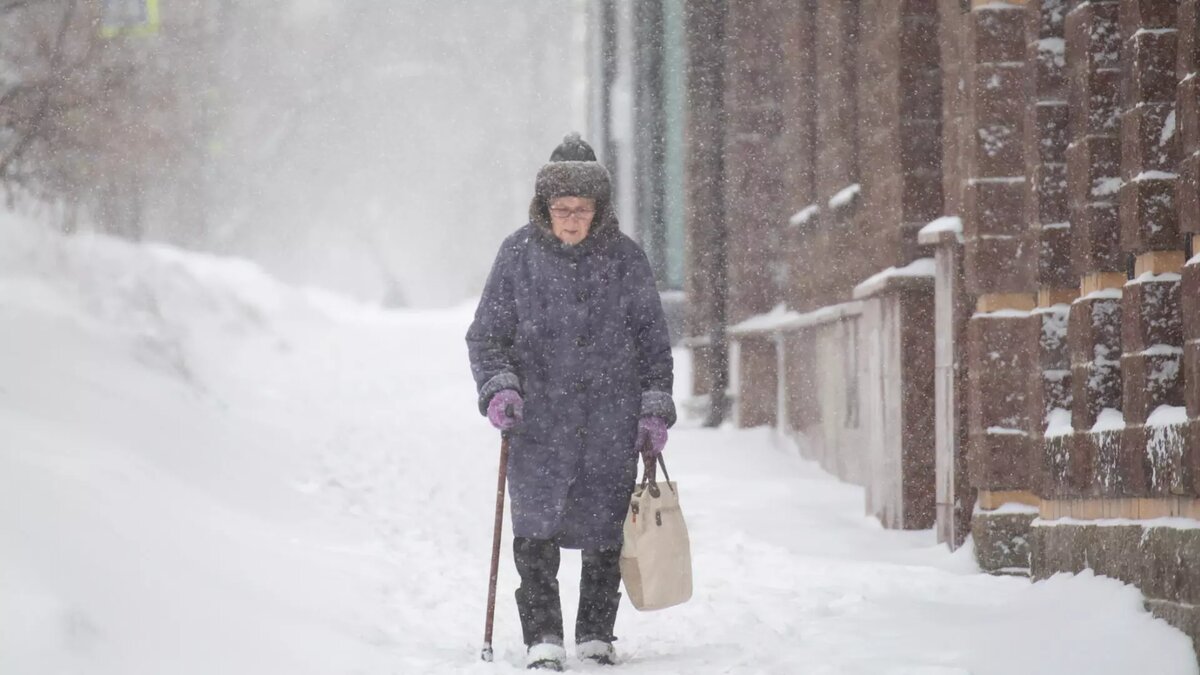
(580, 332)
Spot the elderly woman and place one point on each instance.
(570, 353)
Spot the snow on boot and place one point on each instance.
(597, 651)
(546, 656)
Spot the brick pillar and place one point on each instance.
(1093, 167)
(1094, 155)
(1191, 365)
(754, 189)
(706, 281)
(1001, 270)
(900, 128)
(1152, 333)
(753, 156)
(1187, 123)
(1187, 116)
(837, 154)
(956, 70)
(800, 123)
(800, 194)
(800, 158)
(1046, 137)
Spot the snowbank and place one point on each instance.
(150, 524)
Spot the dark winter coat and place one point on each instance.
(580, 332)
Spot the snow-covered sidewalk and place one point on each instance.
(204, 471)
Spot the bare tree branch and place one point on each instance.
(10, 5)
(15, 90)
(48, 91)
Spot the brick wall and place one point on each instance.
(1065, 134)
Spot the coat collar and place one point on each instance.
(597, 239)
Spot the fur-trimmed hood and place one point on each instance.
(573, 179)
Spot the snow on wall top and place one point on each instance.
(931, 233)
(1002, 314)
(1055, 45)
(764, 323)
(804, 215)
(826, 315)
(1058, 423)
(1151, 277)
(1109, 419)
(1155, 175)
(1057, 308)
(1175, 523)
(1009, 508)
(923, 267)
(1167, 415)
(1103, 294)
(996, 5)
(782, 319)
(844, 196)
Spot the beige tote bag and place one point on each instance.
(656, 558)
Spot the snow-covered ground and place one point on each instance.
(205, 471)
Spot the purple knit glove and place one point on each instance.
(497, 411)
(652, 435)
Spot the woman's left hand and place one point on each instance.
(651, 436)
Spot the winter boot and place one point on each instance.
(546, 656)
(597, 651)
(599, 596)
(538, 602)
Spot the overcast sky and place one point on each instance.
(361, 140)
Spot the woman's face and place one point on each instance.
(571, 218)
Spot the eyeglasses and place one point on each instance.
(574, 214)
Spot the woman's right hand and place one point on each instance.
(651, 436)
(504, 411)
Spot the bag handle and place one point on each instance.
(650, 473)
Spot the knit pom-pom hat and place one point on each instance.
(570, 177)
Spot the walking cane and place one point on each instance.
(486, 654)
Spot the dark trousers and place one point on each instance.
(538, 601)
